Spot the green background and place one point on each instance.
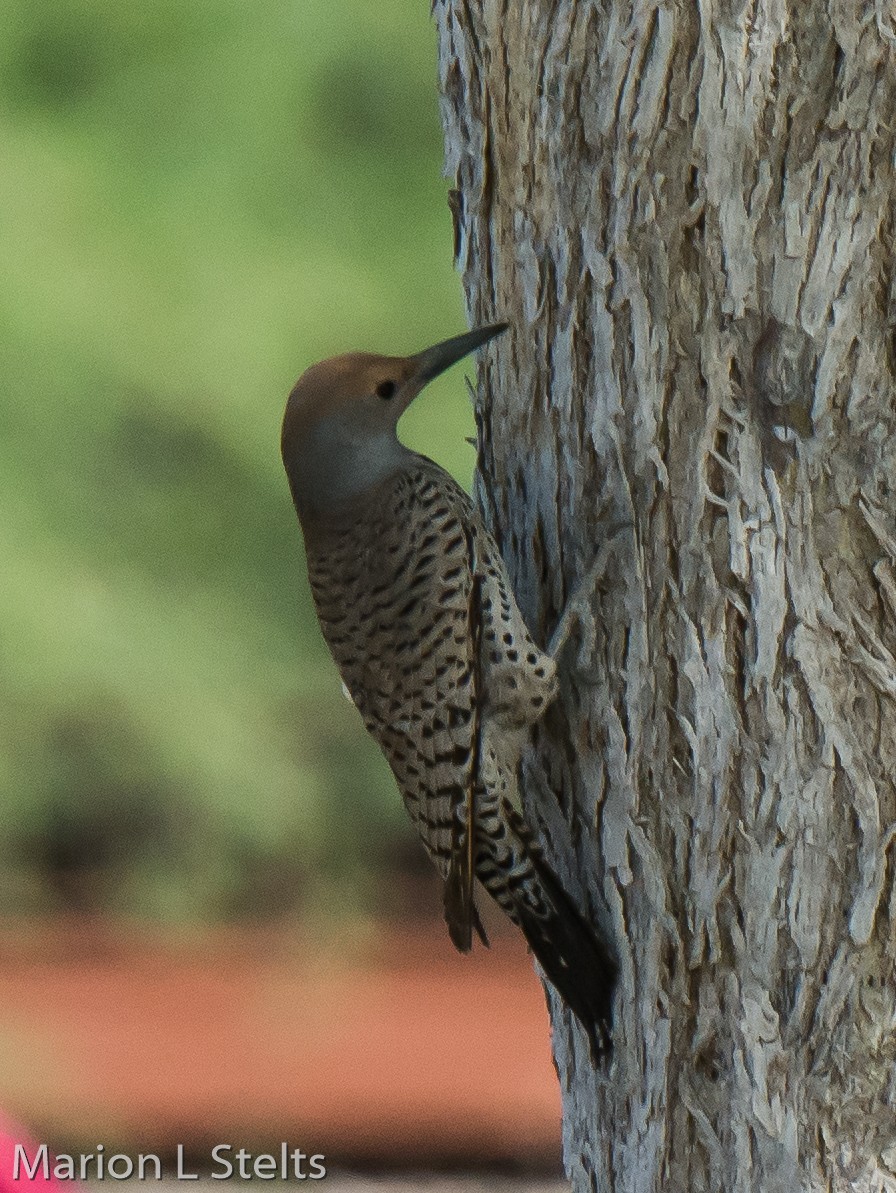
(197, 200)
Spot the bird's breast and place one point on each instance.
(391, 586)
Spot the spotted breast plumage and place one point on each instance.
(416, 608)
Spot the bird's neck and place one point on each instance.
(335, 466)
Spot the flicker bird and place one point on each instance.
(416, 606)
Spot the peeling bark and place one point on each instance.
(686, 211)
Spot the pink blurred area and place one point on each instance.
(395, 1052)
(13, 1136)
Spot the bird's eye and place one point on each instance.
(386, 389)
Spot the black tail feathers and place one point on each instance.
(575, 960)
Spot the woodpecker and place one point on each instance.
(417, 609)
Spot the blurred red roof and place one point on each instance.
(408, 1055)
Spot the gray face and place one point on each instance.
(343, 455)
(339, 432)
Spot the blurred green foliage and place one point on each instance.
(197, 200)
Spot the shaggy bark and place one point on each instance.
(686, 211)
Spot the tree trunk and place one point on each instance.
(686, 211)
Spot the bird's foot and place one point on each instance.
(578, 613)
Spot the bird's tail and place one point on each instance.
(576, 961)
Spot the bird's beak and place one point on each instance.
(435, 360)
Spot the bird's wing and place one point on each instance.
(460, 909)
(399, 625)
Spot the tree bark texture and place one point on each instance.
(686, 211)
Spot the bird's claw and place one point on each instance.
(578, 610)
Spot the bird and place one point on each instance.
(416, 606)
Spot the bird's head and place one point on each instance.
(339, 430)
